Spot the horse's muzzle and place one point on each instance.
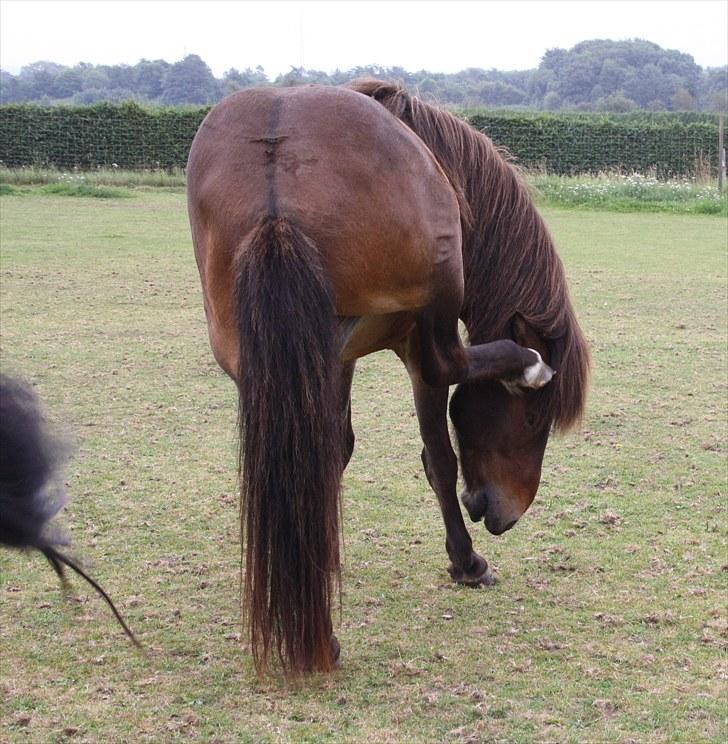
(481, 505)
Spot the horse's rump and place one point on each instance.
(350, 176)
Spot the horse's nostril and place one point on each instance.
(476, 504)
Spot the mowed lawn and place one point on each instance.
(608, 623)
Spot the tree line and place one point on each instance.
(596, 75)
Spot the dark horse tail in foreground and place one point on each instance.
(30, 494)
(330, 223)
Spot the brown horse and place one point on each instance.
(329, 223)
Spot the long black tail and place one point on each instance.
(30, 489)
(291, 447)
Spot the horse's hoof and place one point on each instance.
(474, 579)
(485, 579)
(537, 375)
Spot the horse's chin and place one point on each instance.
(498, 527)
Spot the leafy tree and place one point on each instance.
(596, 74)
(616, 102)
(655, 105)
(682, 100)
(500, 94)
(713, 89)
(9, 88)
(67, 83)
(646, 84)
(120, 76)
(149, 78)
(612, 75)
(94, 78)
(301, 76)
(89, 96)
(39, 79)
(552, 101)
(542, 82)
(595, 70)
(190, 81)
(234, 79)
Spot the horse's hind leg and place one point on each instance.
(441, 468)
(347, 445)
(347, 375)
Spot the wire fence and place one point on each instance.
(135, 138)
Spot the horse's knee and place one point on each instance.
(443, 369)
(442, 358)
(434, 375)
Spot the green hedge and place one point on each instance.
(132, 137)
(103, 135)
(584, 143)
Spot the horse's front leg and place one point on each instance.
(441, 468)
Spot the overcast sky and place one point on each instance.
(436, 36)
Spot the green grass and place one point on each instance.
(82, 189)
(612, 192)
(99, 177)
(608, 623)
(631, 193)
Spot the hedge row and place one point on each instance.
(132, 137)
(566, 144)
(103, 135)
(630, 117)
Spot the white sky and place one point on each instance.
(437, 36)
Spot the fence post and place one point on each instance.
(721, 154)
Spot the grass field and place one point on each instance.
(631, 193)
(608, 623)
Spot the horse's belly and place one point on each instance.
(369, 333)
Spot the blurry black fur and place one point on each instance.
(31, 491)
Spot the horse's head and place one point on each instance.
(502, 440)
(502, 437)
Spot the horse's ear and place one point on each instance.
(524, 335)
